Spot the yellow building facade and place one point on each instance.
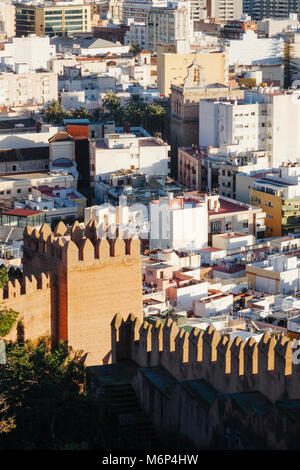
(172, 68)
(272, 206)
(52, 20)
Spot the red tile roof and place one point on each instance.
(22, 212)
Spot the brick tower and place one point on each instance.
(92, 279)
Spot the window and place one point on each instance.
(216, 227)
(19, 191)
(14, 168)
(29, 190)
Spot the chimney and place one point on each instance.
(127, 128)
(37, 127)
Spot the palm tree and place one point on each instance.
(154, 117)
(82, 113)
(135, 110)
(112, 102)
(290, 67)
(97, 115)
(135, 48)
(54, 112)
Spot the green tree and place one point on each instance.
(82, 113)
(8, 316)
(112, 102)
(49, 398)
(135, 108)
(154, 117)
(54, 112)
(135, 48)
(97, 115)
(7, 423)
(3, 277)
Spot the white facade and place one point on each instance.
(255, 123)
(26, 89)
(72, 100)
(27, 50)
(252, 50)
(149, 155)
(7, 19)
(130, 219)
(103, 50)
(213, 305)
(226, 10)
(178, 225)
(188, 294)
(137, 33)
(230, 241)
(169, 26)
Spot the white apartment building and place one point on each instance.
(178, 223)
(251, 50)
(7, 19)
(225, 10)
(233, 122)
(137, 33)
(267, 119)
(130, 219)
(136, 9)
(212, 305)
(27, 50)
(147, 154)
(277, 274)
(26, 89)
(198, 10)
(23, 184)
(168, 26)
(273, 26)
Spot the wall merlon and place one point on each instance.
(196, 345)
(229, 366)
(76, 233)
(251, 356)
(170, 331)
(60, 229)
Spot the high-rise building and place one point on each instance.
(198, 10)
(224, 10)
(168, 26)
(7, 20)
(259, 9)
(254, 123)
(52, 19)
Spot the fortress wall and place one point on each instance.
(228, 366)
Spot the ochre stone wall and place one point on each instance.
(229, 366)
(33, 301)
(92, 279)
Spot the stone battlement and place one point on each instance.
(92, 278)
(77, 247)
(229, 366)
(27, 285)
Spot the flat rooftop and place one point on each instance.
(227, 207)
(27, 176)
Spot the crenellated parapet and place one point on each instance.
(79, 246)
(29, 285)
(229, 366)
